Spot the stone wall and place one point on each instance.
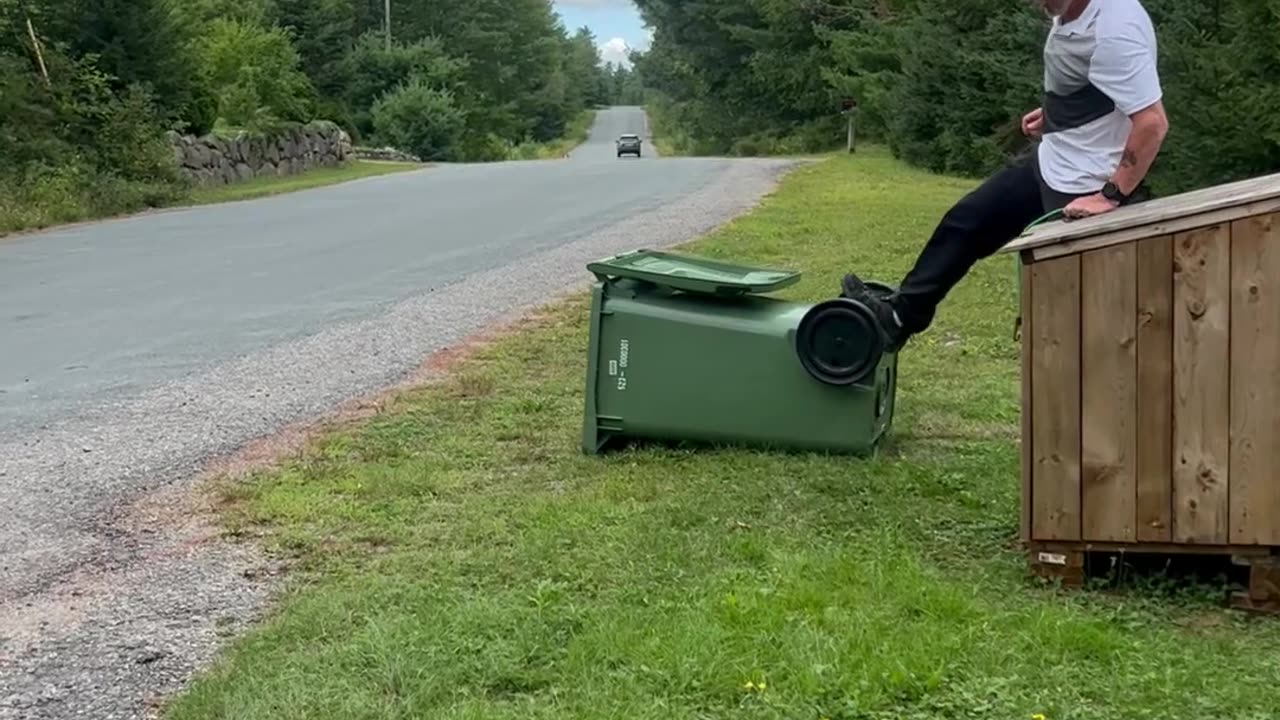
(217, 160)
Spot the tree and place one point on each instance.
(945, 82)
(582, 70)
(371, 70)
(255, 73)
(421, 119)
(513, 50)
(324, 32)
(142, 42)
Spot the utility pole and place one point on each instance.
(386, 15)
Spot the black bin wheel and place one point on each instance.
(839, 342)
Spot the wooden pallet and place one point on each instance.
(1067, 563)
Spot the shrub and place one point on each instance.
(78, 148)
(255, 74)
(371, 71)
(421, 119)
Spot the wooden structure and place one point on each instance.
(1151, 383)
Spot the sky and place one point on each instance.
(615, 23)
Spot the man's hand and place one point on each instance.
(1033, 123)
(1088, 206)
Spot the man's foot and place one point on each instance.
(896, 335)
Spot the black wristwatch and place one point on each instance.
(1112, 192)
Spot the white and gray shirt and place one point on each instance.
(1099, 70)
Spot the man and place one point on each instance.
(1100, 128)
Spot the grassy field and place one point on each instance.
(457, 557)
(320, 177)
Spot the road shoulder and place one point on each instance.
(149, 585)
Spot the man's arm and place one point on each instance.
(1145, 138)
(1150, 126)
(1124, 67)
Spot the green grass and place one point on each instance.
(665, 133)
(74, 192)
(66, 195)
(671, 138)
(457, 557)
(319, 177)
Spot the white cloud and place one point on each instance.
(615, 51)
(594, 3)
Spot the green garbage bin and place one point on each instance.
(689, 349)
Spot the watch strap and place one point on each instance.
(1111, 191)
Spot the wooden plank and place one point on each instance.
(1155, 390)
(1237, 553)
(1255, 381)
(1028, 336)
(1066, 567)
(1055, 399)
(1202, 387)
(1196, 202)
(1109, 401)
(1180, 223)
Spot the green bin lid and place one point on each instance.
(693, 274)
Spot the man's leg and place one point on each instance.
(982, 222)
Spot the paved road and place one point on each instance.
(132, 351)
(93, 313)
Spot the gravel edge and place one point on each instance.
(108, 611)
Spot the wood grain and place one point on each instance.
(1167, 226)
(1202, 389)
(1028, 460)
(1155, 390)
(1109, 299)
(1195, 202)
(1055, 401)
(1255, 381)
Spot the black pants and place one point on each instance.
(984, 221)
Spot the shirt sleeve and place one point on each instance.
(1124, 67)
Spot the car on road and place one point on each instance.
(629, 144)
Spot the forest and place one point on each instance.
(88, 88)
(944, 83)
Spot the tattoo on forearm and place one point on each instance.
(1130, 159)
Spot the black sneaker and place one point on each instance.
(895, 334)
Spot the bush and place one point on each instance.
(372, 71)
(255, 74)
(420, 119)
(131, 142)
(40, 195)
(78, 148)
(147, 43)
